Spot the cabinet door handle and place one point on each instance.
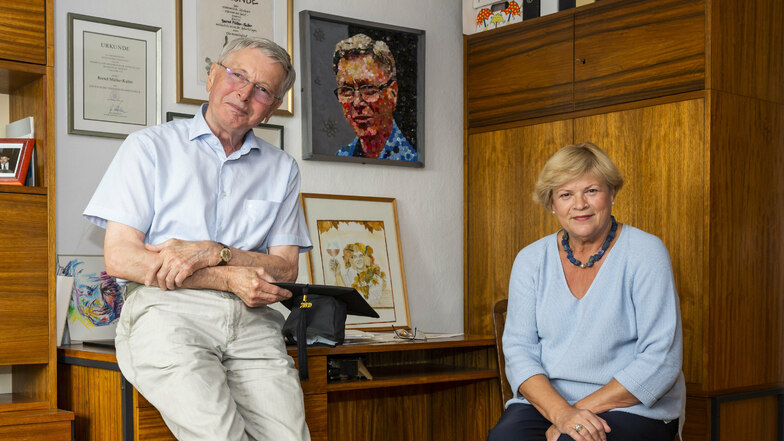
(581, 60)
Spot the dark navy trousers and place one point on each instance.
(522, 422)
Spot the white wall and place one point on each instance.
(430, 200)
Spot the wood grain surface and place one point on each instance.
(746, 328)
(747, 54)
(638, 49)
(500, 90)
(501, 171)
(23, 26)
(24, 303)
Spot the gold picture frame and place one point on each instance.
(190, 89)
(356, 242)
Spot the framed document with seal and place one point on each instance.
(114, 76)
(204, 27)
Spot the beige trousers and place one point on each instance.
(214, 368)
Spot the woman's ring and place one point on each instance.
(578, 428)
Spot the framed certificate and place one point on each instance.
(114, 76)
(205, 26)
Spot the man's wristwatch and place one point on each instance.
(225, 255)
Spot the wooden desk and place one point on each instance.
(445, 389)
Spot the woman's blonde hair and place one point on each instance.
(572, 162)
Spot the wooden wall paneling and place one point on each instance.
(149, 426)
(502, 217)
(747, 55)
(465, 412)
(402, 413)
(500, 90)
(747, 237)
(660, 150)
(92, 394)
(24, 321)
(23, 26)
(316, 414)
(638, 49)
(754, 419)
(697, 426)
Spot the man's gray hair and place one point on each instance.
(361, 44)
(268, 48)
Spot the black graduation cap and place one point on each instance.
(319, 312)
(355, 303)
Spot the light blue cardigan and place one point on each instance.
(627, 326)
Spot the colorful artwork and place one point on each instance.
(356, 243)
(358, 258)
(364, 86)
(96, 298)
(487, 19)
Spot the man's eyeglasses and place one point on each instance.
(238, 80)
(405, 334)
(369, 92)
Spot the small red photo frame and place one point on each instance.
(15, 160)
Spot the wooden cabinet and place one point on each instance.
(499, 90)
(27, 279)
(700, 140)
(23, 27)
(435, 390)
(585, 58)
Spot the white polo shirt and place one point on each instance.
(175, 181)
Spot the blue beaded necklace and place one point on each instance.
(596, 257)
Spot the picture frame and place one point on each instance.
(356, 242)
(204, 26)
(114, 76)
(272, 133)
(15, 154)
(332, 128)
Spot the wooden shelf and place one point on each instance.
(409, 375)
(15, 402)
(19, 189)
(35, 417)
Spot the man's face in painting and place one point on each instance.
(371, 110)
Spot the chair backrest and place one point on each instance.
(499, 318)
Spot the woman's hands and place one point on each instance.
(566, 421)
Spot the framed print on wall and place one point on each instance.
(272, 133)
(356, 243)
(205, 26)
(114, 76)
(363, 91)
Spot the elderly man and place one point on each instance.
(200, 217)
(367, 92)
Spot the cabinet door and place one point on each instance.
(661, 150)
(637, 50)
(520, 72)
(501, 217)
(24, 304)
(23, 27)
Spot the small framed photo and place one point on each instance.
(356, 243)
(272, 133)
(205, 26)
(114, 76)
(15, 160)
(363, 91)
